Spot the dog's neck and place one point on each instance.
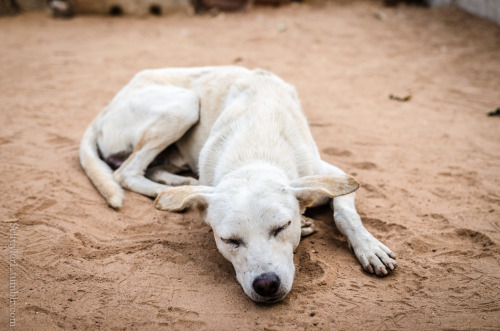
(256, 171)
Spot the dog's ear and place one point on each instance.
(181, 197)
(310, 189)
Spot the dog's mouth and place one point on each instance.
(272, 300)
(267, 300)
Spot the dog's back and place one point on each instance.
(258, 118)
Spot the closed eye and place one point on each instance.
(236, 242)
(276, 231)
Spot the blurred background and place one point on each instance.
(402, 94)
(66, 8)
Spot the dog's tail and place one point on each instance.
(98, 171)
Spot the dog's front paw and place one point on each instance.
(374, 256)
(161, 176)
(190, 181)
(307, 226)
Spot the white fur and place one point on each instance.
(244, 133)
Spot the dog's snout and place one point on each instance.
(267, 284)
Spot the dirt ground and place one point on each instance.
(429, 168)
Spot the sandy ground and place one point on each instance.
(429, 170)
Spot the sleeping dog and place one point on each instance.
(244, 134)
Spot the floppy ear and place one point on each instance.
(181, 197)
(311, 189)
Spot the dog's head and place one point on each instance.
(257, 223)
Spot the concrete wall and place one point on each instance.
(131, 7)
(489, 9)
(127, 7)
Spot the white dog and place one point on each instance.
(244, 133)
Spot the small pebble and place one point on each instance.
(282, 27)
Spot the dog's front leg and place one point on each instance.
(374, 256)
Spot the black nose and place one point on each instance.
(267, 284)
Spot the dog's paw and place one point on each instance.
(374, 256)
(307, 227)
(159, 175)
(190, 181)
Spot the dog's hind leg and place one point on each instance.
(173, 112)
(374, 256)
